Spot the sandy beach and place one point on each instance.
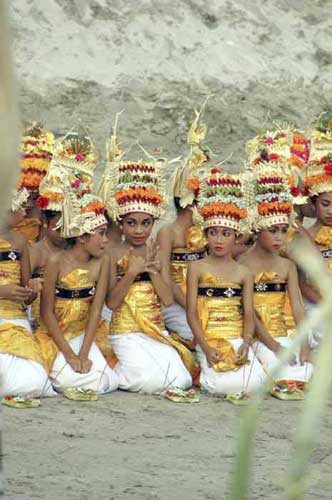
(129, 446)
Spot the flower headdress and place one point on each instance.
(82, 211)
(221, 201)
(286, 148)
(272, 201)
(318, 174)
(36, 151)
(20, 197)
(76, 153)
(137, 187)
(186, 179)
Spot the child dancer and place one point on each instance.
(219, 293)
(149, 360)
(75, 283)
(181, 241)
(318, 185)
(21, 363)
(274, 275)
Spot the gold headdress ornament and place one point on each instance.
(76, 153)
(82, 211)
(114, 155)
(185, 180)
(20, 197)
(36, 151)
(137, 186)
(318, 174)
(221, 201)
(272, 201)
(286, 148)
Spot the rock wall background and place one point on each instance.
(158, 59)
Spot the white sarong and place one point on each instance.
(176, 321)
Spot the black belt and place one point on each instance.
(79, 293)
(11, 256)
(188, 256)
(37, 275)
(264, 286)
(327, 254)
(228, 292)
(139, 277)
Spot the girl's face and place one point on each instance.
(273, 238)
(137, 228)
(221, 240)
(52, 233)
(323, 207)
(96, 242)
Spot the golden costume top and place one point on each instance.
(324, 241)
(140, 312)
(14, 339)
(74, 294)
(180, 257)
(30, 228)
(269, 302)
(219, 307)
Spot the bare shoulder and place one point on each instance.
(54, 259)
(165, 231)
(244, 272)
(246, 257)
(18, 241)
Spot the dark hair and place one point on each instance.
(177, 205)
(49, 214)
(70, 242)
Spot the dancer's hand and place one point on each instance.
(242, 353)
(74, 361)
(36, 284)
(15, 292)
(213, 356)
(136, 264)
(152, 257)
(86, 364)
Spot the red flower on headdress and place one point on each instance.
(295, 191)
(215, 170)
(80, 157)
(328, 168)
(269, 140)
(42, 202)
(273, 157)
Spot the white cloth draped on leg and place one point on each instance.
(106, 313)
(147, 365)
(22, 376)
(268, 359)
(246, 378)
(176, 321)
(101, 378)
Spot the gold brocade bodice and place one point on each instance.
(29, 228)
(180, 257)
(140, 307)
(220, 317)
(73, 313)
(10, 274)
(269, 302)
(324, 241)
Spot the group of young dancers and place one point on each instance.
(91, 302)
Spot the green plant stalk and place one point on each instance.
(305, 437)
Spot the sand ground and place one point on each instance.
(128, 446)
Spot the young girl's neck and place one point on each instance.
(80, 254)
(216, 259)
(263, 253)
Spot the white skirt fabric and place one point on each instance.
(318, 331)
(247, 378)
(20, 376)
(268, 359)
(147, 365)
(176, 321)
(106, 313)
(101, 378)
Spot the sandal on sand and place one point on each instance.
(237, 398)
(287, 392)
(78, 394)
(180, 396)
(22, 402)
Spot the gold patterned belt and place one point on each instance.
(228, 292)
(264, 286)
(187, 256)
(79, 293)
